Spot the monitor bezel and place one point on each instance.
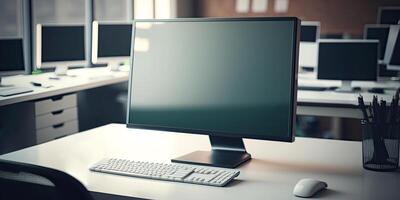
(53, 64)
(349, 41)
(14, 72)
(292, 125)
(95, 41)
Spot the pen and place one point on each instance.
(36, 84)
(363, 108)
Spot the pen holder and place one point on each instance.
(380, 146)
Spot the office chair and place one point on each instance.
(26, 181)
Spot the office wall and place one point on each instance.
(336, 16)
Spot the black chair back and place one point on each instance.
(26, 181)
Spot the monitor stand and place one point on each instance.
(2, 86)
(226, 152)
(114, 65)
(61, 70)
(345, 87)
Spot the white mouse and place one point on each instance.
(308, 187)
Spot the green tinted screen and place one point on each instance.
(228, 77)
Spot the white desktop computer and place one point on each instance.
(348, 60)
(111, 43)
(60, 47)
(308, 50)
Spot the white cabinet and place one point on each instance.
(56, 117)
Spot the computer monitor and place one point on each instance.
(308, 52)
(60, 46)
(348, 60)
(392, 57)
(111, 43)
(309, 31)
(388, 15)
(226, 78)
(11, 57)
(380, 32)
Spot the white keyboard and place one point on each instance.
(203, 175)
(9, 91)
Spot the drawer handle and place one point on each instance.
(58, 125)
(56, 98)
(57, 112)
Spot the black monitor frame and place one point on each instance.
(227, 150)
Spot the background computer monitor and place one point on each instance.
(111, 43)
(392, 56)
(11, 57)
(389, 15)
(227, 78)
(348, 60)
(380, 32)
(60, 46)
(309, 31)
(308, 50)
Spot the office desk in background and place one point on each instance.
(271, 174)
(335, 104)
(84, 78)
(69, 105)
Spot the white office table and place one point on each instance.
(85, 78)
(334, 104)
(271, 174)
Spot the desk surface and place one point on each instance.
(85, 78)
(271, 174)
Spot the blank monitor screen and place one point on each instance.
(389, 15)
(340, 60)
(218, 77)
(11, 55)
(114, 40)
(63, 43)
(308, 33)
(378, 33)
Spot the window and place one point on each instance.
(112, 10)
(11, 18)
(160, 9)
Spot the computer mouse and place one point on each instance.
(308, 187)
(377, 90)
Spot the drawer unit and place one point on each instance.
(56, 131)
(55, 104)
(56, 117)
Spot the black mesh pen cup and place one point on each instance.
(380, 146)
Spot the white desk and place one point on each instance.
(271, 174)
(86, 78)
(335, 104)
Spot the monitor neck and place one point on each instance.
(227, 143)
(2, 85)
(345, 87)
(227, 152)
